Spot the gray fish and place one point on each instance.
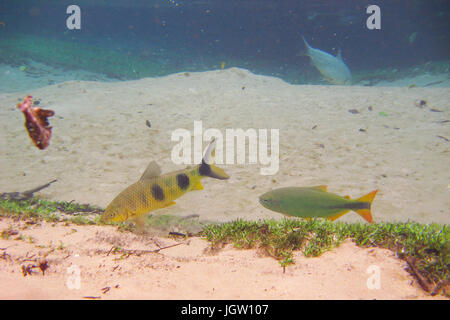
(332, 68)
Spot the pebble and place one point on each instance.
(420, 103)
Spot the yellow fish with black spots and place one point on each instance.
(155, 191)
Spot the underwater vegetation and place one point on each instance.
(425, 248)
(52, 211)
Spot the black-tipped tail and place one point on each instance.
(209, 170)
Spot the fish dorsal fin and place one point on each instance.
(153, 170)
(321, 188)
(339, 55)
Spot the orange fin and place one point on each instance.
(337, 216)
(321, 188)
(365, 213)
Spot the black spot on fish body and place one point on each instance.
(183, 181)
(158, 192)
(205, 169)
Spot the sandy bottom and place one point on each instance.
(83, 264)
(354, 139)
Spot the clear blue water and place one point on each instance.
(261, 36)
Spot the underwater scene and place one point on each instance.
(140, 136)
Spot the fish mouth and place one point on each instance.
(264, 202)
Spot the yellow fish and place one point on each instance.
(311, 202)
(155, 191)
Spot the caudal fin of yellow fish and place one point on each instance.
(365, 213)
(217, 173)
(207, 168)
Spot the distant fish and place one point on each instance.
(316, 202)
(155, 191)
(332, 68)
(36, 122)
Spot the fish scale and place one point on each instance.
(154, 191)
(138, 198)
(310, 202)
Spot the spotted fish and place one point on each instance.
(313, 202)
(155, 191)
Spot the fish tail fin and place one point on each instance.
(217, 173)
(207, 169)
(365, 213)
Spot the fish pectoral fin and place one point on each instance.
(337, 216)
(153, 170)
(170, 204)
(197, 186)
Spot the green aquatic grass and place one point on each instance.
(427, 244)
(50, 211)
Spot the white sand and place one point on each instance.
(82, 263)
(101, 144)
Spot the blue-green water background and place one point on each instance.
(154, 38)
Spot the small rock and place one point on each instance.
(420, 103)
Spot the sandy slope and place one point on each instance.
(101, 143)
(186, 271)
